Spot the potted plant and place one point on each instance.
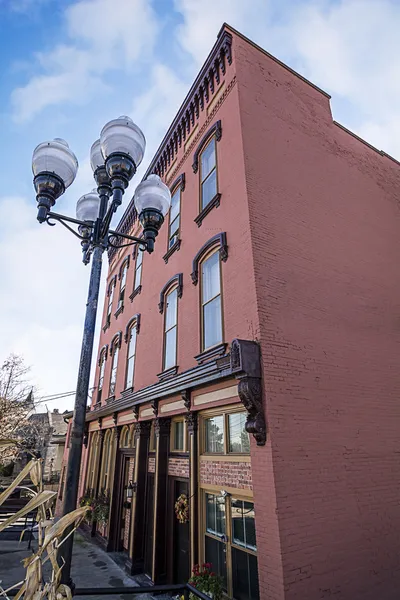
(205, 580)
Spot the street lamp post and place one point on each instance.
(114, 159)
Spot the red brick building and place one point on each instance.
(272, 298)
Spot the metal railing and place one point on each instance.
(177, 589)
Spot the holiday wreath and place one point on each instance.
(182, 509)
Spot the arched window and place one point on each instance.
(114, 351)
(205, 161)
(211, 303)
(110, 295)
(208, 173)
(91, 476)
(122, 277)
(130, 357)
(124, 439)
(132, 329)
(170, 329)
(102, 365)
(138, 269)
(106, 469)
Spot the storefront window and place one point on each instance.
(214, 434)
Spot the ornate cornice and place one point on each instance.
(178, 279)
(196, 101)
(218, 240)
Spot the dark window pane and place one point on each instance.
(209, 189)
(210, 278)
(244, 575)
(243, 524)
(215, 514)
(214, 430)
(212, 322)
(170, 348)
(216, 555)
(178, 435)
(208, 159)
(239, 440)
(210, 513)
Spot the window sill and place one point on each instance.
(211, 353)
(178, 454)
(174, 248)
(168, 373)
(127, 391)
(212, 204)
(97, 406)
(106, 326)
(135, 292)
(109, 400)
(119, 311)
(237, 458)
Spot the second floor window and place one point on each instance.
(130, 358)
(138, 269)
(122, 286)
(114, 368)
(101, 375)
(211, 306)
(208, 174)
(110, 301)
(170, 329)
(174, 217)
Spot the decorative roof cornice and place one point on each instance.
(195, 102)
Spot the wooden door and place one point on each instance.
(149, 526)
(125, 510)
(180, 536)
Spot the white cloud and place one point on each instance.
(103, 36)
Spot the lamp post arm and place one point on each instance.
(78, 422)
(127, 237)
(58, 217)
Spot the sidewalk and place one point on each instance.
(91, 567)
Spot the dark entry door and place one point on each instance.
(149, 528)
(181, 566)
(125, 522)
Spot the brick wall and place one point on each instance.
(325, 222)
(231, 474)
(178, 467)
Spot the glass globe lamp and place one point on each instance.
(55, 157)
(152, 201)
(122, 145)
(54, 168)
(87, 207)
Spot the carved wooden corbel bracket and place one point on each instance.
(246, 365)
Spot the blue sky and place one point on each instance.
(67, 67)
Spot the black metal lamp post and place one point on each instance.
(114, 159)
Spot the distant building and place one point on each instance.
(52, 430)
(251, 363)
